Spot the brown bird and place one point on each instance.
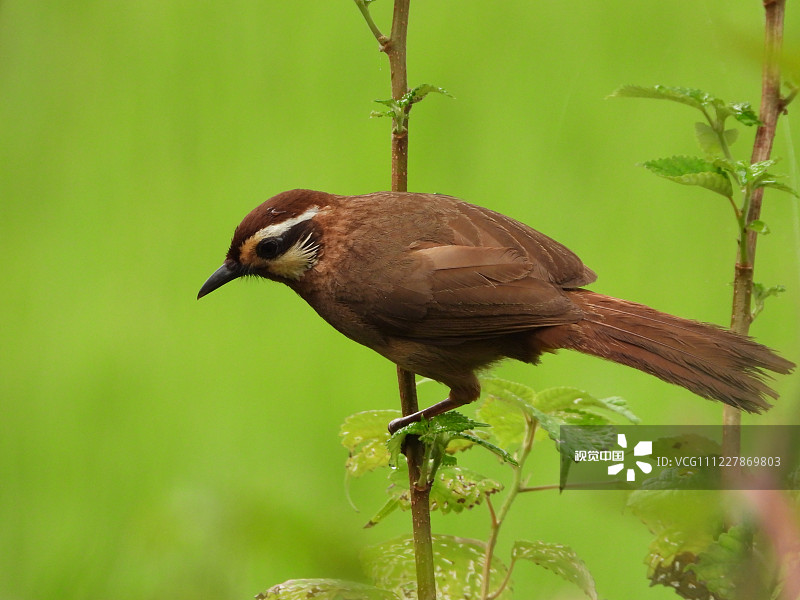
(444, 288)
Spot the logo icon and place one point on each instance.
(643, 448)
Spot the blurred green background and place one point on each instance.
(153, 446)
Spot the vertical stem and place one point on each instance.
(771, 106)
(395, 49)
(500, 517)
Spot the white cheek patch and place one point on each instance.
(277, 229)
(296, 260)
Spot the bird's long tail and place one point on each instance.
(708, 360)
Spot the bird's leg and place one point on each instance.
(454, 400)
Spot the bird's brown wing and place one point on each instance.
(453, 293)
(549, 260)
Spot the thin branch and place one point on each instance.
(363, 6)
(395, 49)
(772, 105)
(499, 518)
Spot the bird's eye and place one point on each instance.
(268, 248)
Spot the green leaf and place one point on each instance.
(691, 170)
(508, 423)
(726, 565)
(569, 403)
(676, 577)
(398, 109)
(496, 450)
(760, 295)
(683, 521)
(572, 406)
(738, 169)
(457, 488)
(755, 175)
(436, 434)
(458, 567)
(689, 96)
(558, 558)
(439, 430)
(374, 114)
(325, 589)
(770, 181)
(758, 170)
(730, 135)
(758, 226)
(364, 435)
(620, 406)
(744, 113)
(418, 93)
(707, 138)
(390, 506)
(518, 395)
(453, 489)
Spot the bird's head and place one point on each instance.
(277, 240)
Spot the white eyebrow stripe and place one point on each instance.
(277, 229)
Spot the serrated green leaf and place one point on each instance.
(325, 589)
(675, 576)
(558, 558)
(744, 113)
(673, 544)
(576, 406)
(364, 435)
(418, 93)
(518, 397)
(517, 394)
(726, 565)
(758, 226)
(689, 96)
(374, 114)
(496, 450)
(439, 430)
(447, 423)
(738, 169)
(458, 567)
(508, 423)
(691, 170)
(683, 521)
(458, 488)
(436, 434)
(391, 505)
(758, 170)
(619, 405)
(453, 489)
(776, 185)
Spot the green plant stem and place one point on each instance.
(419, 491)
(771, 107)
(395, 48)
(363, 6)
(499, 518)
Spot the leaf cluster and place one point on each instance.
(694, 551)
(512, 418)
(398, 109)
(717, 170)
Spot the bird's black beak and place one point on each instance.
(219, 278)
